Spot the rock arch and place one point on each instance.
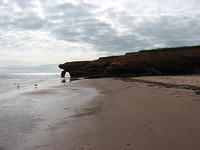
(63, 73)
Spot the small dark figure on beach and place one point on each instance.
(36, 85)
(63, 81)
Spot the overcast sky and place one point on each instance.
(37, 32)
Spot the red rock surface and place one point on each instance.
(166, 61)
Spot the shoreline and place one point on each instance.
(30, 116)
(124, 113)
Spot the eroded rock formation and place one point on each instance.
(166, 61)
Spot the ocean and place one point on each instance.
(16, 81)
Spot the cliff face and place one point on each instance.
(165, 61)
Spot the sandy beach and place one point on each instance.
(129, 114)
(143, 113)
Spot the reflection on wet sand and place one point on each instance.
(25, 116)
(64, 80)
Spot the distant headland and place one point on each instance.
(163, 61)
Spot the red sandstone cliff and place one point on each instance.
(181, 60)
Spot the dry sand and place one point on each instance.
(193, 80)
(129, 114)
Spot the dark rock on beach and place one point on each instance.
(165, 61)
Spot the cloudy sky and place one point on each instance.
(38, 32)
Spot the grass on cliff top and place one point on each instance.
(173, 48)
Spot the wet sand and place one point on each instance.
(127, 114)
(29, 117)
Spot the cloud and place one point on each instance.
(38, 32)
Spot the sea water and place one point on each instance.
(17, 81)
